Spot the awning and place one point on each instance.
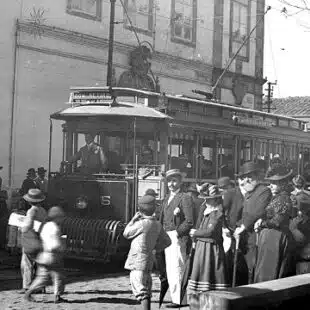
(117, 110)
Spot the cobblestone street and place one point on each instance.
(84, 290)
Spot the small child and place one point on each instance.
(50, 260)
(148, 237)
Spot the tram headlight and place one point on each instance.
(81, 202)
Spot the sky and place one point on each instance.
(287, 50)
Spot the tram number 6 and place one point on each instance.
(105, 201)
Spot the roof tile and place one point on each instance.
(291, 106)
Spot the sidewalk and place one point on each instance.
(111, 292)
(86, 289)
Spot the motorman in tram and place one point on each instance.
(92, 156)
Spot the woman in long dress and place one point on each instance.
(209, 265)
(275, 243)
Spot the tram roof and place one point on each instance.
(232, 107)
(91, 109)
(120, 110)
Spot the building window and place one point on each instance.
(90, 9)
(239, 28)
(183, 21)
(140, 13)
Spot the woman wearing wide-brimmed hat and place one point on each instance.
(209, 265)
(274, 246)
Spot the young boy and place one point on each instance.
(50, 260)
(148, 237)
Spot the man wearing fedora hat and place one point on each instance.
(192, 191)
(29, 182)
(42, 180)
(177, 219)
(36, 213)
(256, 199)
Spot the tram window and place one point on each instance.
(208, 159)
(181, 155)
(261, 154)
(305, 156)
(146, 149)
(291, 157)
(246, 153)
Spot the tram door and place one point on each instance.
(246, 151)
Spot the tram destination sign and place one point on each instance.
(89, 97)
(258, 122)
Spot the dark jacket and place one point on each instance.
(28, 184)
(278, 212)
(235, 212)
(300, 228)
(213, 231)
(182, 222)
(254, 206)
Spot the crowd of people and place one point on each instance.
(264, 223)
(267, 222)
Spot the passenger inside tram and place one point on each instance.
(146, 155)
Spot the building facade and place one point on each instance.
(48, 46)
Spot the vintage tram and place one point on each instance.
(143, 134)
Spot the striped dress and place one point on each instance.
(209, 266)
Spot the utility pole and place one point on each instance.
(270, 94)
(111, 43)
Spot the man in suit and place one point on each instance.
(42, 180)
(29, 182)
(93, 159)
(256, 199)
(177, 219)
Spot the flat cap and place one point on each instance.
(147, 199)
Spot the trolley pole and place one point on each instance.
(111, 43)
(270, 94)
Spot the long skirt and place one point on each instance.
(209, 268)
(274, 255)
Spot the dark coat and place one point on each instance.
(182, 222)
(300, 228)
(274, 244)
(235, 212)
(28, 184)
(254, 206)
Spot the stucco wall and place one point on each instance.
(49, 63)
